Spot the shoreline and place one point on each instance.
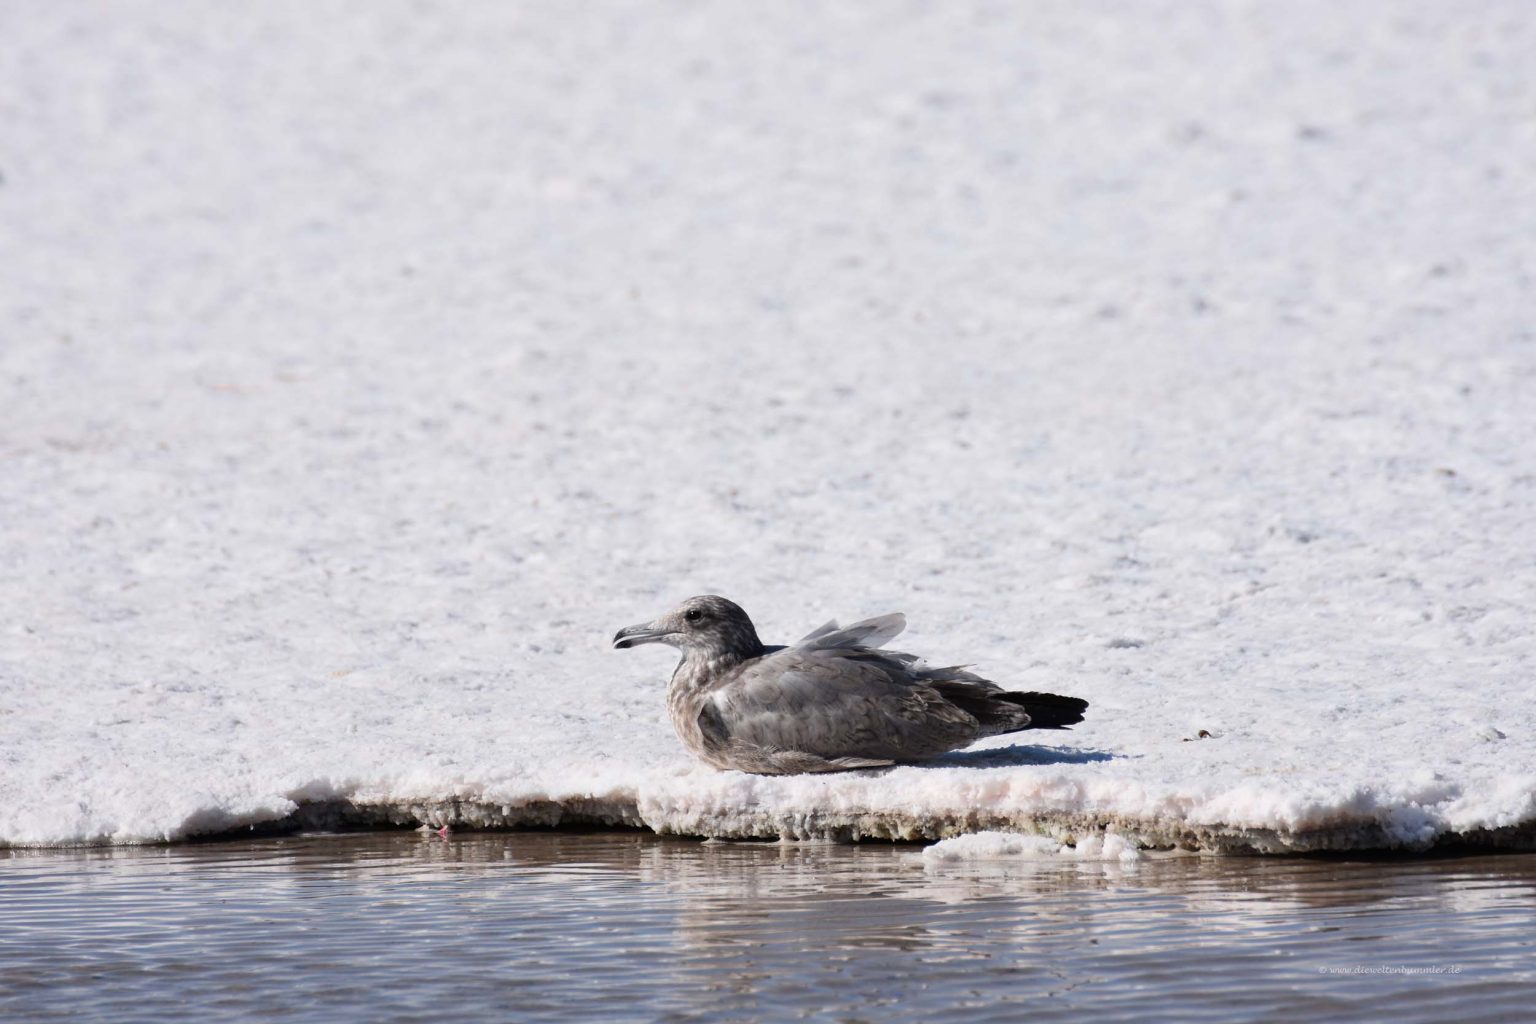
(840, 827)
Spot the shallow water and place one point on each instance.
(567, 927)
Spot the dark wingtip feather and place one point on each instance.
(1048, 710)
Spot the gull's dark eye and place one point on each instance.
(693, 615)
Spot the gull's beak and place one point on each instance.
(634, 636)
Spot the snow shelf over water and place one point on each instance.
(363, 369)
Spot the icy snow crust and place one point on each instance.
(363, 368)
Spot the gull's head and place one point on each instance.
(709, 624)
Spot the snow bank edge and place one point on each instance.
(842, 826)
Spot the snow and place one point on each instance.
(363, 369)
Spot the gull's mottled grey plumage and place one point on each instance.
(830, 702)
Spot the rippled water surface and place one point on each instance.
(564, 927)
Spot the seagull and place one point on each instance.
(831, 702)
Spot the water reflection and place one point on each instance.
(631, 926)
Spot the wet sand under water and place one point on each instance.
(573, 927)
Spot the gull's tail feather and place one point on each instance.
(1048, 710)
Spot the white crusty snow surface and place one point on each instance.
(364, 367)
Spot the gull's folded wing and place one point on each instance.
(873, 632)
